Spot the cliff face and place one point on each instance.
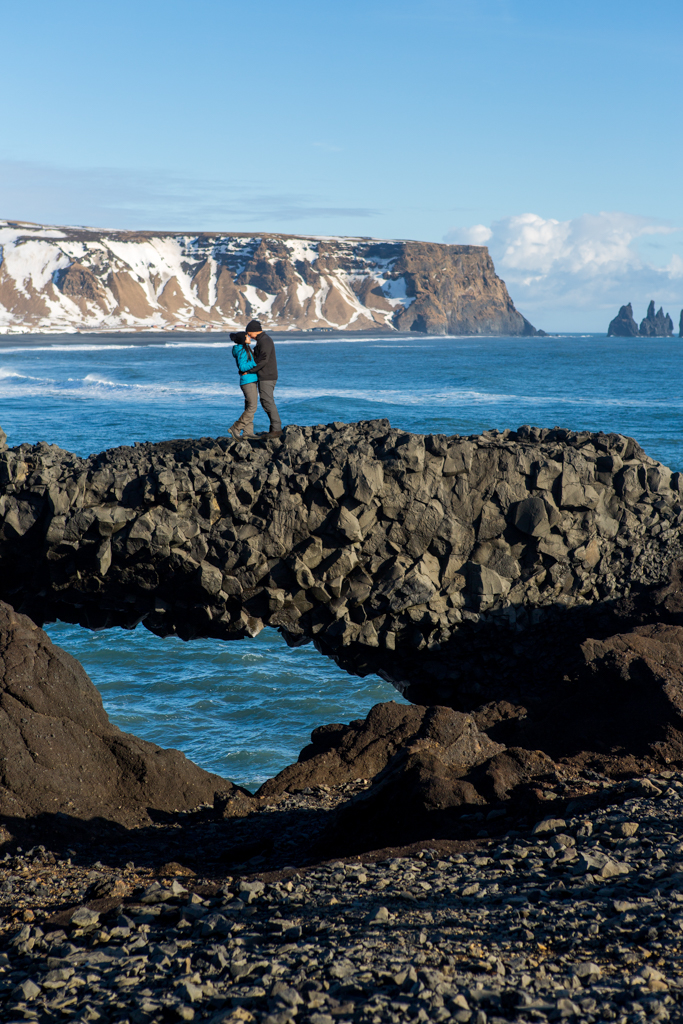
(81, 279)
(436, 561)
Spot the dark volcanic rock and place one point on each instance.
(342, 753)
(418, 795)
(680, 325)
(60, 753)
(623, 325)
(458, 568)
(618, 709)
(656, 325)
(634, 693)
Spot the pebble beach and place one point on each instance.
(578, 917)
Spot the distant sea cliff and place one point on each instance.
(65, 280)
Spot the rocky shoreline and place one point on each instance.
(578, 918)
(508, 849)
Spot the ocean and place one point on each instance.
(244, 709)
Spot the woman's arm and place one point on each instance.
(245, 361)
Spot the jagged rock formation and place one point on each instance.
(616, 708)
(339, 754)
(656, 325)
(458, 568)
(59, 753)
(82, 279)
(623, 325)
(680, 325)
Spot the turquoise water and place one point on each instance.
(245, 709)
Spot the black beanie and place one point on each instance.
(239, 337)
(253, 326)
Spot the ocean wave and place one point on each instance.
(19, 349)
(94, 386)
(448, 396)
(6, 374)
(102, 388)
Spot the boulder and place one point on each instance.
(59, 753)
(623, 325)
(634, 691)
(339, 754)
(418, 796)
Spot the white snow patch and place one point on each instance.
(33, 261)
(304, 291)
(258, 306)
(395, 292)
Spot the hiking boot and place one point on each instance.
(274, 433)
(236, 431)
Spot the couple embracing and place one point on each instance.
(258, 377)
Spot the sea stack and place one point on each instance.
(656, 325)
(653, 325)
(623, 325)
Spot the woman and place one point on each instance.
(246, 363)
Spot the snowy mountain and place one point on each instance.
(64, 279)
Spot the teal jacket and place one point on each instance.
(245, 362)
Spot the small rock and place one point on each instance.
(587, 970)
(84, 917)
(27, 990)
(549, 825)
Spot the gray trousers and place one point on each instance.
(246, 420)
(265, 390)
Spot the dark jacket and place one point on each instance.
(264, 354)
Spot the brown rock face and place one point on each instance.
(457, 291)
(634, 690)
(94, 280)
(60, 753)
(342, 753)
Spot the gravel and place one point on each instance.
(578, 918)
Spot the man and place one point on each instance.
(266, 370)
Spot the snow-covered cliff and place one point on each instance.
(61, 279)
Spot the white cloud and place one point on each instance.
(478, 234)
(583, 268)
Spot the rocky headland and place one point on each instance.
(653, 325)
(507, 848)
(58, 279)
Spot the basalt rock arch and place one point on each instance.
(453, 566)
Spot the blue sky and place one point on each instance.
(549, 131)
